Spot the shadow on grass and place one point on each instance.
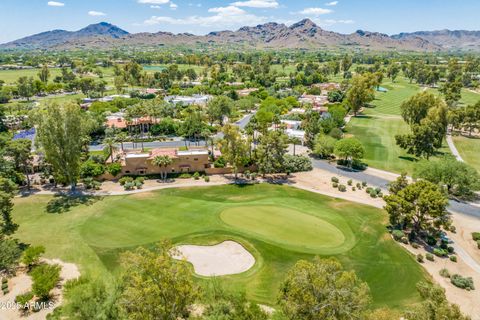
(63, 202)
(408, 158)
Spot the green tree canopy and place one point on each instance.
(323, 290)
(155, 285)
(61, 135)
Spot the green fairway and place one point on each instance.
(381, 123)
(469, 149)
(389, 102)
(306, 232)
(278, 224)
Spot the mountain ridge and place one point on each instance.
(304, 34)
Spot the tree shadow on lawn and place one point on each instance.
(62, 203)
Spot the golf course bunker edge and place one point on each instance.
(226, 258)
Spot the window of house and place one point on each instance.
(195, 159)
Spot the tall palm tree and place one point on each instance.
(294, 141)
(162, 162)
(110, 145)
(122, 137)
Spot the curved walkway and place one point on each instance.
(452, 147)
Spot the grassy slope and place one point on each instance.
(92, 234)
(469, 149)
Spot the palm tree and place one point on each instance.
(122, 137)
(162, 162)
(110, 145)
(294, 141)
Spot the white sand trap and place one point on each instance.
(227, 257)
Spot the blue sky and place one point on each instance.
(20, 18)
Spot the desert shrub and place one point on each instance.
(296, 163)
(398, 234)
(429, 257)
(354, 189)
(453, 258)
(450, 249)
(185, 176)
(359, 185)
(335, 179)
(114, 168)
(364, 183)
(453, 229)
(342, 188)
(129, 185)
(420, 258)
(45, 277)
(31, 256)
(440, 252)
(431, 241)
(220, 162)
(368, 190)
(196, 176)
(462, 282)
(335, 185)
(349, 182)
(24, 299)
(206, 178)
(444, 273)
(476, 236)
(415, 245)
(124, 180)
(91, 169)
(478, 244)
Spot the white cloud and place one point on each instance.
(230, 10)
(332, 21)
(331, 4)
(96, 13)
(315, 11)
(154, 1)
(155, 7)
(55, 4)
(173, 6)
(256, 3)
(230, 16)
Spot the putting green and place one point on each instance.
(286, 227)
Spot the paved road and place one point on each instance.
(375, 181)
(177, 141)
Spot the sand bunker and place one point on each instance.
(227, 257)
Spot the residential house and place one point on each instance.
(193, 160)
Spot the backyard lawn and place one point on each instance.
(278, 224)
(469, 149)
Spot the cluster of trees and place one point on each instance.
(427, 117)
(419, 208)
(465, 118)
(152, 285)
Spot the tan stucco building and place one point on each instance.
(193, 160)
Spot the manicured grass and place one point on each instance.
(272, 223)
(93, 233)
(469, 149)
(378, 137)
(389, 102)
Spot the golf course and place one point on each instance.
(278, 225)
